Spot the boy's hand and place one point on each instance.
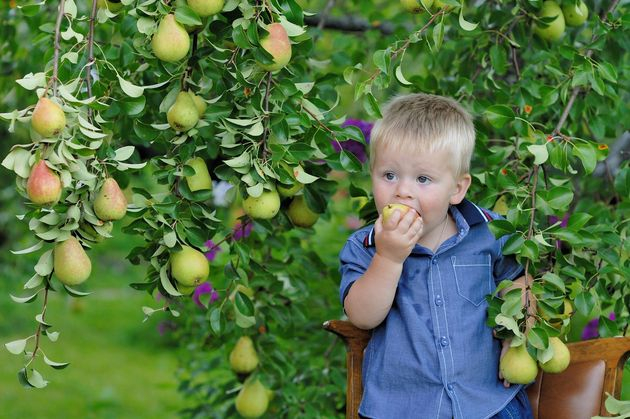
(505, 345)
(396, 236)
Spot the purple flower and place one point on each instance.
(564, 222)
(204, 289)
(241, 231)
(353, 146)
(213, 249)
(591, 331)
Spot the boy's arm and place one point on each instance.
(371, 296)
(526, 297)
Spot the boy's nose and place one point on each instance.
(403, 190)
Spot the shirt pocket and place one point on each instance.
(473, 277)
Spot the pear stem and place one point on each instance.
(55, 75)
(90, 48)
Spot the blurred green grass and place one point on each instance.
(119, 366)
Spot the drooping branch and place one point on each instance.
(90, 49)
(55, 75)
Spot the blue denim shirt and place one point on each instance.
(433, 356)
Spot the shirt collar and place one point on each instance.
(471, 213)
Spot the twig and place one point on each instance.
(55, 75)
(90, 46)
(38, 333)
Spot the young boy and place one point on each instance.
(419, 278)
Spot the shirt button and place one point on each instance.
(449, 387)
(434, 261)
(444, 341)
(438, 300)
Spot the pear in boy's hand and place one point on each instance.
(388, 210)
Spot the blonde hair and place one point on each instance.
(426, 123)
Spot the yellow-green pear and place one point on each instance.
(517, 366)
(253, 399)
(170, 42)
(277, 44)
(48, 119)
(111, 5)
(201, 179)
(300, 214)
(575, 15)
(555, 29)
(110, 203)
(183, 114)
(388, 210)
(206, 7)
(43, 185)
(416, 6)
(185, 289)
(71, 264)
(189, 266)
(200, 104)
(264, 207)
(243, 357)
(560, 359)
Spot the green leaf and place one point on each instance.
(540, 153)
(465, 25)
(75, 293)
(587, 153)
(508, 322)
(501, 227)
(186, 16)
(438, 34)
(371, 106)
(584, 302)
(349, 161)
(16, 347)
(554, 280)
(381, 60)
(499, 115)
(244, 304)
(530, 250)
(538, 337)
(559, 197)
(24, 300)
(513, 244)
(498, 58)
(607, 327)
(217, 321)
(36, 380)
(55, 365)
(400, 77)
(44, 266)
(129, 88)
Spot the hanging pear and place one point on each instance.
(201, 179)
(277, 44)
(200, 104)
(48, 118)
(43, 186)
(243, 358)
(253, 399)
(110, 203)
(171, 42)
(560, 359)
(206, 8)
(189, 266)
(183, 114)
(71, 264)
(517, 366)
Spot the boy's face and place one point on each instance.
(424, 181)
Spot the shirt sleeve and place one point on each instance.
(506, 266)
(354, 260)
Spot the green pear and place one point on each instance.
(110, 203)
(560, 359)
(555, 29)
(388, 210)
(43, 185)
(183, 114)
(253, 399)
(206, 7)
(517, 366)
(189, 266)
(277, 44)
(200, 104)
(300, 214)
(185, 289)
(48, 118)
(71, 264)
(265, 207)
(170, 42)
(575, 15)
(414, 6)
(243, 357)
(201, 179)
(111, 5)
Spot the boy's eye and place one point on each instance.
(390, 176)
(423, 179)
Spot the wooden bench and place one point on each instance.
(579, 392)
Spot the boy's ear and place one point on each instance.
(461, 187)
